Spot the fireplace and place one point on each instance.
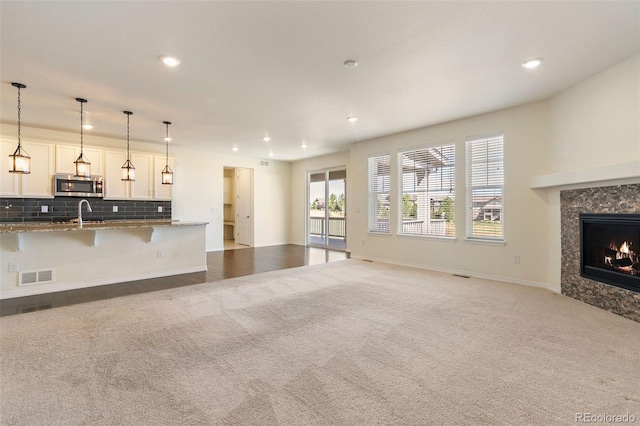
(610, 249)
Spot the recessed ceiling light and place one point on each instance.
(167, 139)
(350, 63)
(352, 119)
(170, 61)
(270, 153)
(87, 126)
(304, 145)
(266, 138)
(235, 149)
(532, 63)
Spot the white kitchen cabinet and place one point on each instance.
(160, 191)
(38, 183)
(66, 155)
(142, 187)
(9, 182)
(114, 187)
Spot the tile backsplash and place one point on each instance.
(61, 209)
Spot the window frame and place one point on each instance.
(469, 173)
(448, 146)
(372, 196)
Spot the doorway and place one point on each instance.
(238, 208)
(327, 209)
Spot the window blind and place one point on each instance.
(485, 181)
(428, 190)
(379, 192)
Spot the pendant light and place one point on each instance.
(83, 166)
(167, 173)
(128, 171)
(20, 160)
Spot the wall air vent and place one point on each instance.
(36, 277)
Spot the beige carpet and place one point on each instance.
(346, 343)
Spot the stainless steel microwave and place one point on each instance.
(75, 186)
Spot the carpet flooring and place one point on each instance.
(345, 343)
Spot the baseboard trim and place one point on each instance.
(546, 286)
(52, 288)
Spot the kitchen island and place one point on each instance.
(42, 258)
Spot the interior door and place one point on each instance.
(244, 212)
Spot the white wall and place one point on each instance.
(198, 193)
(298, 191)
(525, 217)
(596, 122)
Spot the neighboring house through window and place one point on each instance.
(379, 193)
(485, 182)
(427, 190)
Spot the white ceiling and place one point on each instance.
(259, 68)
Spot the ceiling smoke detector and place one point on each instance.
(350, 63)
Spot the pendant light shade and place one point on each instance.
(20, 160)
(167, 173)
(83, 166)
(128, 171)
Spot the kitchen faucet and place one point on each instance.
(80, 211)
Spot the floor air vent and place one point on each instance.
(36, 277)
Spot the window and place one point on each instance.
(428, 191)
(379, 191)
(485, 181)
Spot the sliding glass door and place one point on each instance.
(326, 209)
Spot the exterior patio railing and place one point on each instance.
(337, 228)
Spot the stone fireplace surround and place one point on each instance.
(608, 199)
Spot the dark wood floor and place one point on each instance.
(220, 265)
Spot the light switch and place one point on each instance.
(115, 209)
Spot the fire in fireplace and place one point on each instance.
(610, 249)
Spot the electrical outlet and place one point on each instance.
(361, 242)
(115, 209)
(159, 209)
(44, 209)
(160, 254)
(516, 258)
(13, 266)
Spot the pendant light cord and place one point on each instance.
(166, 140)
(81, 128)
(19, 111)
(128, 136)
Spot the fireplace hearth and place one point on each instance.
(610, 249)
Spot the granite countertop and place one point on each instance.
(91, 226)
